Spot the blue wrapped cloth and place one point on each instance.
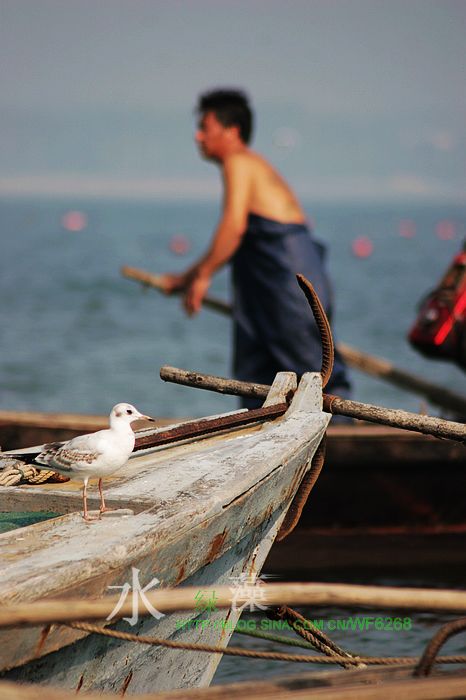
(274, 329)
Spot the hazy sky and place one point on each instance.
(354, 97)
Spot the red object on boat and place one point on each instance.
(439, 331)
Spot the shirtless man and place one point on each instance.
(263, 233)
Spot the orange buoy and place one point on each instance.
(179, 244)
(446, 230)
(74, 221)
(362, 247)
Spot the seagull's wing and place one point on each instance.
(79, 453)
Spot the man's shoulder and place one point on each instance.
(245, 161)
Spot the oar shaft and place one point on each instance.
(167, 600)
(151, 280)
(385, 370)
(395, 418)
(210, 382)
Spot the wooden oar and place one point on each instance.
(150, 280)
(395, 418)
(385, 370)
(369, 364)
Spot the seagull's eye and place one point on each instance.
(129, 411)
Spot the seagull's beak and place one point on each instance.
(142, 419)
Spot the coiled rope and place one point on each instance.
(17, 472)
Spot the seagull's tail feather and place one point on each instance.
(32, 456)
(26, 457)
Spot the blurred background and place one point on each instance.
(360, 104)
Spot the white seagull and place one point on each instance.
(96, 454)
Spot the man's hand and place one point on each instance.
(196, 292)
(171, 283)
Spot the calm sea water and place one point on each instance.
(78, 337)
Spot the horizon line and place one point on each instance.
(398, 188)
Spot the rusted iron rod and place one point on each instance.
(428, 425)
(168, 600)
(364, 362)
(206, 426)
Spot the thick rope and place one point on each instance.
(299, 501)
(288, 641)
(444, 633)
(16, 472)
(269, 637)
(308, 631)
(274, 656)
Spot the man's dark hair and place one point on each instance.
(231, 107)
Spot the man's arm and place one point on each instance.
(227, 236)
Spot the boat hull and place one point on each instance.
(94, 664)
(206, 513)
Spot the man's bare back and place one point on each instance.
(269, 194)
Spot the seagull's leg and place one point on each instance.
(103, 507)
(86, 515)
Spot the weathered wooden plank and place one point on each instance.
(133, 481)
(445, 688)
(284, 386)
(384, 684)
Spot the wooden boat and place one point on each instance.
(386, 498)
(200, 511)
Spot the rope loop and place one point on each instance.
(314, 636)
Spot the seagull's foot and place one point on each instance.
(105, 509)
(89, 518)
